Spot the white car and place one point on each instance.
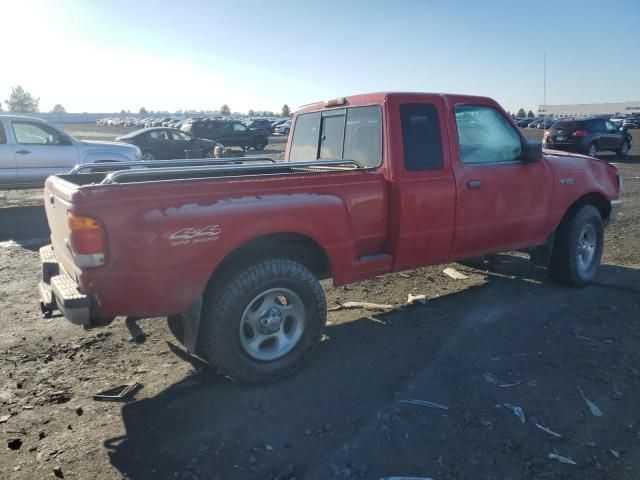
(32, 149)
(283, 128)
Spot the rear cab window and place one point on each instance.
(352, 133)
(3, 136)
(421, 138)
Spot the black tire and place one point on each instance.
(226, 304)
(590, 149)
(286, 131)
(565, 266)
(259, 143)
(624, 149)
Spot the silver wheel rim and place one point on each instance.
(586, 251)
(592, 150)
(272, 324)
(147, 156)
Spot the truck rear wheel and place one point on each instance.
(263, 322)
(577, 249)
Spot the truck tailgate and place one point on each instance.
(57, 201)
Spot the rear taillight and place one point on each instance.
(579, 133)
(86, 240)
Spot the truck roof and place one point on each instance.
(376, 98)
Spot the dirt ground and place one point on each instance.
(510, 357)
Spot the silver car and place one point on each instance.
(32, 149)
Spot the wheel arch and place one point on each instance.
(293, 245)
(596, 199)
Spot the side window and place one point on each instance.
(158, 135)
(180, 137)
(238, 127)
(304, 145)
(363, 136)
(611, 127)
(485, 136)
(421, 140)
(3, 136)
(34, 133)
(332, 136)
(599, 126)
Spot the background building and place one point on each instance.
(585, 109)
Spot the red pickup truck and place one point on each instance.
(372, 184)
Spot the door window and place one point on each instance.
(238, 127)
(485, 135)
(180, 137)
(158, 135)
(29, 133)
(3, 136)
(421, 140)
(611, 127)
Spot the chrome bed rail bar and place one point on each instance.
(167, 163)
(257, 169)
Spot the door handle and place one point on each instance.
(23, 151)
(474, 184)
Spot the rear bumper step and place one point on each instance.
(58, 291)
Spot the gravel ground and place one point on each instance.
(512, 355)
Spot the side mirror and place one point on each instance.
(531, 151)
(62, 139)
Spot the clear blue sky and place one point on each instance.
(199, 54)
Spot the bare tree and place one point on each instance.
(58, 108)
(225, 110)
(286, 111)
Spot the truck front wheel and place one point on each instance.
(262, 323)
(577, 249)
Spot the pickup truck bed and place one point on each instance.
(373, 184)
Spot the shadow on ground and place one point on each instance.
(26, 226)
(340, 416)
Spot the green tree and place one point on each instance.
(225, 110)
(251, 113)
(142, 110)
(286, 111)
(22, 101)
(530, 114)
(521, 113)
(57, 108)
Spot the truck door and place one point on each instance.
(502, 202)
(423, 197)
(7, 159)
(40, 151)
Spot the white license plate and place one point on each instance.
(560, 138)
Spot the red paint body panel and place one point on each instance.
(165, 239)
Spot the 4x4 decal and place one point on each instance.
(190, 235)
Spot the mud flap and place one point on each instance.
(191, 325)
(541, 255)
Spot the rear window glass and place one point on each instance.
(362, 136)
(304, 146)
(567, 124)
(332, 137)
(3, 137)
(421, 140)
(348, 134)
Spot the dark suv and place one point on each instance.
(230, 133)
(587, 135)
(260, 124)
